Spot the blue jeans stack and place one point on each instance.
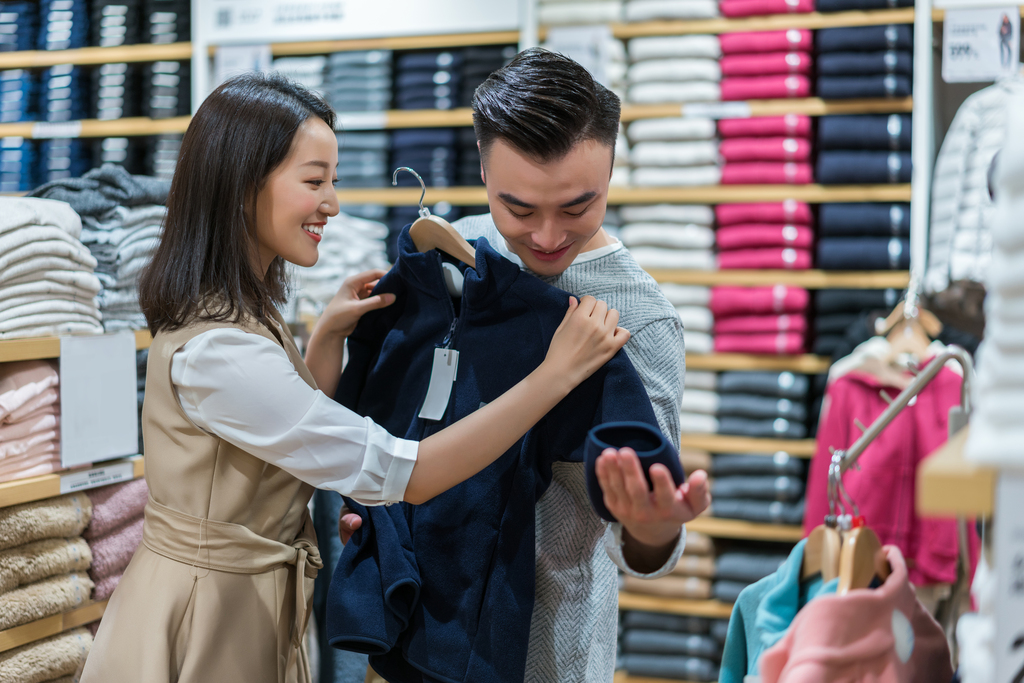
(63, 25)
(166, 90)
(428, 80)
(19, 91)
(64, 93)
(18, 162)
(166, 21)
(64, 158)
(19, 25)
(864, 61)
(116, 22)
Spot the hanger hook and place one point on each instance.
(424, 211)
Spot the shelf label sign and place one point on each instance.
(980, 45)
(362, 120)
(45, 130)
(97, 476)
(716, 110)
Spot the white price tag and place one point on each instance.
(362, 120)
(65, 129)
(980, 45)
(716, 110)
(442, 377)
(97, 476)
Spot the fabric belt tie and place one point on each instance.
(235, 549)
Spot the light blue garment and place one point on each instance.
(764, 612)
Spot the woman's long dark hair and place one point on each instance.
(203, 269)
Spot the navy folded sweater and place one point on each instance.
(444, 591)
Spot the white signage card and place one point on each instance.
(98, 398)
(1009, 571)
(97, 476)
(980, 45)
(257, 21)
(362, 120)
(587, 45)
(65, 129)
(239, 59)
(716, 110)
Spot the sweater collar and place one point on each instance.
(483, 285)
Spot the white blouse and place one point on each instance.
(243, 388)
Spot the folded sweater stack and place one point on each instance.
(674, 151)
(692, 304)
(29, 419)
(750, 404)
(777, 235)
(760, 320)
(669, 646)
(691, 578)
(43, 560)
(115, 531)
(772, 150)
(578, 12)
(741, 566)
(865, 61)
(759, 488)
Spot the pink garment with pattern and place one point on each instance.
(770, 258)
(757, 8)
(799, 39)
(788, 126)
(880, 635)
(764, 87)
(788, 212)
(730, 301)
(779, 343)
(767, 173)
(766, 63)
(749, 324)
(758, 235)
(765, 149)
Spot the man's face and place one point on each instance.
(547, 212)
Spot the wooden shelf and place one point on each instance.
(775, 22)
(396, 43)
(809, 279)
(48, 485)
(806, 363)
(94, 128)
(719, 443)
(751, 531)
(33, 59)
(712, 609)
(811, 106)
(949, 485)
(713, 194)
(50, 626)
(38, 348)
(623, 677)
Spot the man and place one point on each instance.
(546, 132)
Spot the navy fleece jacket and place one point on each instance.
(444, 591)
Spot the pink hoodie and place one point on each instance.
(882, 635)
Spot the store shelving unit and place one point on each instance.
(804, 364)
(51, 626)
(735, 528)
(712, 609)
(949, 485)
(719, 443)
(809, 279)
(88, 56)
(39, 348)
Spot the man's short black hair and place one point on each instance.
(543, 104)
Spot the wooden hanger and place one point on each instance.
(861, 560)
(821, 553)
(433, 232)
(909, 330)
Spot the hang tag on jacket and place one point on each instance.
(442, 376)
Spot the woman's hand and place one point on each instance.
(352, 301)
(586, 339)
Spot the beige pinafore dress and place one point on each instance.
(221, 587)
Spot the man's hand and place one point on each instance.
(653, 518)
(348, 523)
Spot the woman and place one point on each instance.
(237, 434)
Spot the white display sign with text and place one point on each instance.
(981, 44)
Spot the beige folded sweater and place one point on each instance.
(695, 565)
(684, 587)
(60, 517)
(698, 544)
(40, 559)
(45, 660)
(44, 598)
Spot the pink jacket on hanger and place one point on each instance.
(755, 235)
(774, 343)
(880, 635)
(788, 126)
(767, 173)
(884, 486)
(789, 211)
(747, 324)
(765, 149)
(764, 87)
(729, 301)
(766, 41)
(756, 8)
(774, 258)
(766, 63)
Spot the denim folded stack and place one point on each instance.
(431, 152)
(359, 81)
(166, 21)
(468, 154)
(116, 22)
(166, 89)
(363, 159)
(843, 316)
(578, 12)
(18, 164)
(19, 25)
(739, 567)
(660, 10)
(669, 236)
(864, 236)
(19, 94)
(308, 71)
(765, 65)
(477, 64)
(670, 69)
(161, 155)
(115, 91)
(772, 150)
(865, 149)
(692, 305)
(63, 24)
(127, 152)
(773, 235)
(865, 61)
(750, 404)
(64, 93)
(849, 5)
(428, 80)
(673, 151)
(61, 158)
(668, 646)
(758, 488)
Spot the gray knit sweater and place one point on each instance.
(575, 615)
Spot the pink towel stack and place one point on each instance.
(762, 320)
(775, 236)
(115, 532)
(29, 419)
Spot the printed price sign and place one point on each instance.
(980, 45)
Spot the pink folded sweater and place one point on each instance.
(730, 301)
(764, 149)
(750, 324)
(770, 258)
(766, 63)
(781, 343)
(750, 236)
(765, 87)
(789, 211)
(754, 8)
(800, 39)
(767, 173)
(114, 506)
(788, 126)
